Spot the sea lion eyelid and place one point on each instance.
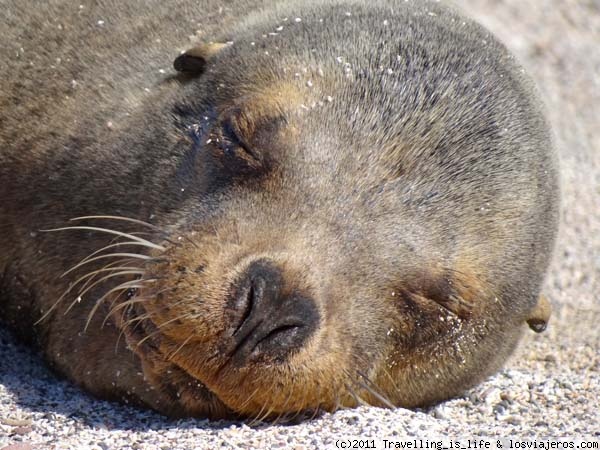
(230, 132)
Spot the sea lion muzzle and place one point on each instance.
(269, 323)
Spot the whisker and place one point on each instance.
(109, 266)
(292, 416)
(270, 410)
(131, 302)
(109, 269)
(172, 355)
(316, 412)
(116, 244)
(181, 317)
(359, 400)
(191, 241)
(249, 399)
(266, 415)
(124, 271)
(140, 222)
(109, 231)
(337, 401)
(124, 326)
(287, 400)
(138, 319)
(69, 289)
(128, 323)
(127, 285)
(121, 305)
(101, 299)
(142, 317)
(376, 394)
(129, 219)
(373, 389)
(389, 375)
(139, 299)
(238, 235)
(149, 315)
(109, 255)
(256, 419)
(123, 218)
(158, 328)
(107, 277)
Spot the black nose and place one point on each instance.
(269, 324)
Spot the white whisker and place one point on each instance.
(109, 266)
(125, 219)
(109, 255)
(117, 244)
(109, 231)
(135, 284)
(107, 277)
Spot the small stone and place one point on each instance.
(15, 422)
(440, 413)
(20, 446)
(22, 430)
(491, 396)
(513, 420)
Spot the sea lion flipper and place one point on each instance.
(540, 315)
(193, 61)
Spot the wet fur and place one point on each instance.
(417, 205)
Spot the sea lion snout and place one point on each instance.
(270, 321)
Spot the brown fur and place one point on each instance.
(372, 187)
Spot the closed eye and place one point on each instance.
(232, 144)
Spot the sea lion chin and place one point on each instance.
(318, 206)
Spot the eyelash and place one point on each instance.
(229, 140)
(226, 139)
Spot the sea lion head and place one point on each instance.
(325, 243)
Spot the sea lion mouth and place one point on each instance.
(184, 393)
(141, 333)
(264, 324)
(180, 393)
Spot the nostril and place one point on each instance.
(281, 336)
(266, 321)
(258, 290)
(247, 306)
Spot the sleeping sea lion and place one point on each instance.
(259, 209)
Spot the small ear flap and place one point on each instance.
(193, 61)
(540, 315)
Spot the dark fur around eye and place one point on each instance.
(231, 142)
